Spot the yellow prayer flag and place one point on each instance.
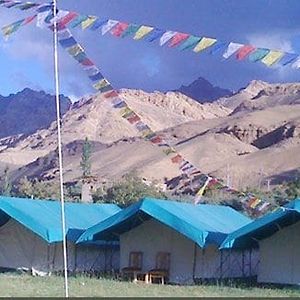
(204, 43)
(143, 30)
(75, 50)
(125, 111)
(272, 57)
(88, 22)
(147, 132)
(255, 203)
(101, 84)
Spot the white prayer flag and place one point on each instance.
(166, 37)
(232, 48)
(108, 26)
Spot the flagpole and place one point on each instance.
(57, 92)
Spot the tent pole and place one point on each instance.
(195, 261)
(57, 92)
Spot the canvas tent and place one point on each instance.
(190, 233)
(31, 236)
(278, 236)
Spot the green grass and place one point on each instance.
(13, 285)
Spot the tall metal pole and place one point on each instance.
(57, 92)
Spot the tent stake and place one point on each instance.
(57, 92)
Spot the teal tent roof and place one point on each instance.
(249, 235)
(203, 224)
(44, 217)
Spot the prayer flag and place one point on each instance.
(272, 57)
(142, 31)
(108, 26)
(243, 52)
(177, 159)
(29, 20)
(288, 58)
(75, 50)
(154, 35)
(88, 22)
(166, 37)
(92, 70)
(112, 94)
(96, 77)
(60, 15)
(68, 18)
(41, 19)
(27, 5)
(218, 46)
(87, 62)
(97, 24)
(258, 54)
(119, 29)
(231, 49)
(101, 84)
(131, 29)
(134, 119)
(9, 29)
(296, 64)
(204, 43)
(190, 43)
(44, 7)
(78, 20)
(67, 43)
(178, 38)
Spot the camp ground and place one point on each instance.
(277, 236)
(169, 240)
(31, 236)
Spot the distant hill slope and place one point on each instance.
(260, 95)
(248, 146)
(28, 111)
(203, 91)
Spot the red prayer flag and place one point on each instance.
(111, 94)
(28, 20)
(119, 29)
(68, 18)
(212, 182)
(134, 119)
(156, 140)
(177, 159)
(244, 52)
(178, 38)
(87, 62)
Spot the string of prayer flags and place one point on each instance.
(183, 41)
(9, 29)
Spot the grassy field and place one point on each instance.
(12, 285)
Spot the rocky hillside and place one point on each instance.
(246, 148)
(260, 95)
(28, 111)
(203, 91)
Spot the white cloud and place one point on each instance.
(276, 41)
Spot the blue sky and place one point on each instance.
(27, 59)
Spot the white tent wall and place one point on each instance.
(21, 248)
(279, 257)
(152, 237)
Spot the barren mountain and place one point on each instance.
(96, 119)
(260, 95)
(245, 148)
(28, 111)
(203, 91)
